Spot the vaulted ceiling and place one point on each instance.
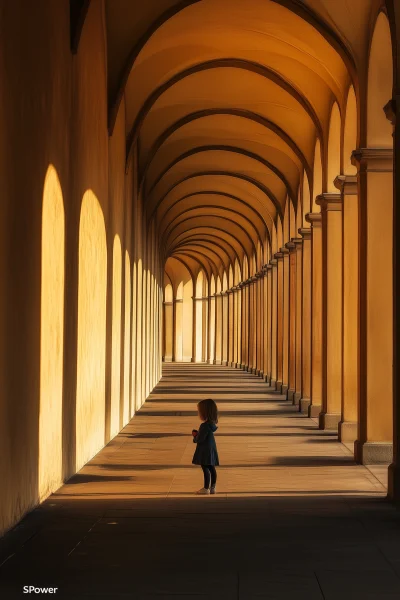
(224, 102)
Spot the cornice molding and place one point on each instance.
(375, 160)
(314, 218)
(330, 201)
(346, 184)
(305, 233)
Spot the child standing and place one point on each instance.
(206, 453)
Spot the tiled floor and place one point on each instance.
(294, 516)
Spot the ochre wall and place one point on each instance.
(53, 113)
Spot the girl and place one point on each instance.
(206, 453)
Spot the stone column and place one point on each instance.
(245, 317)
(268, 376)
(331, 207)
(260, 328)
(315, 406)
(350, 259)
(394, 469)
(291, 247)
(218, 329)
(194, 336)
(168, 331)
(264, 300)
(243, 325)
(286, 316)
(255, 323)
(305, 320)
(279, 320)
(375, 185)
(230, 327)
(211, 330)
(225, 325)
(238, 326)
(298, 242)
(274, 325)
(177, 351)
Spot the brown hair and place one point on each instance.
(208, 410)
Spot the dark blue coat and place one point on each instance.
(206, 451)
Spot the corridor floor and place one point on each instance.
(294, 517)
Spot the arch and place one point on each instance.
(333, 166)
(350, 132)
(236, 63)
(380, 83)
(51, 335)
(231, 111)
(91, 351)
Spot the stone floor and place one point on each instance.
(294, 517)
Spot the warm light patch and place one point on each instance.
(91, 352)
(51, 336)
(116, 338)
(127, 341)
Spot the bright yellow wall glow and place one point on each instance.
(116, 338)
(51, 336)
(317, 173)
(91, 351)
(333, 148)
(127, 342)
(350, 133)
(380, 82)
(134, 341)
(199, 317)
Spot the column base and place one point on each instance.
(304, 406)
(297, 398)
(373, 453)
(284, 389)
(224, 363)
(272, 383)
(278, 386)
(394, 483)
(314, 410)
(267, 378)
(348, 431)
(290, 395)
(329, 420)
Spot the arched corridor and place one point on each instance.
(208, 190)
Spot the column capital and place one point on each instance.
(177, 300)
(273, 262)
(330, 201)
(284, 250)
(168, 303)
(290, 246)
(346, 184)
(305, 232)
(378, 160)
(390, 110)
(315, 218)
(278, 255)
(297, 241)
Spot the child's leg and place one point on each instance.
(213, 472)
(207, 476)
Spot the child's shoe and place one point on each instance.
(213, 490)
(203, 491)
